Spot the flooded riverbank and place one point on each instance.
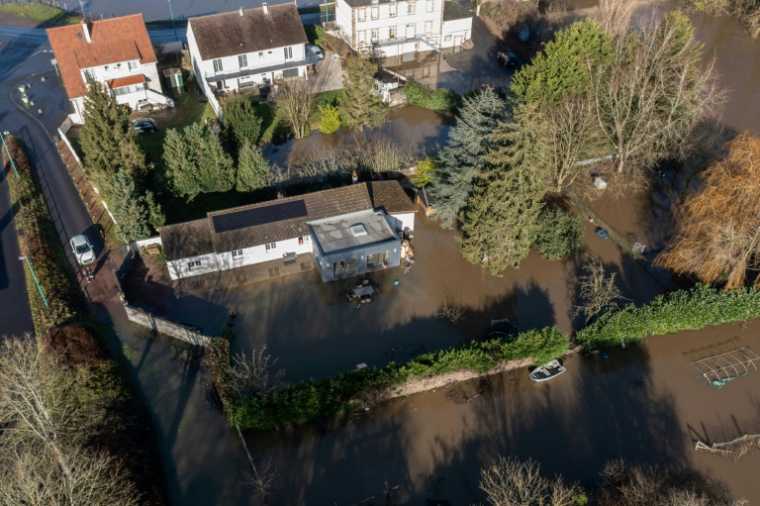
(642, 403)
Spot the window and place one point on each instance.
(392, 32)
(118, 65)
(131, 65)
(428, 26)
(410, 8)
(374, 35)
(271, 245)
(392, 10)
(89, 75)
(269, 52)
(362, 13)
(303, 239)
(410, 31)
(375, 12)
(261, 54)
(429, 6)
(237, 254)
(288, 53)
(106, 68)
(274, 271)
(447, 38)
(194, 263)
(218, 67)
(243, 60)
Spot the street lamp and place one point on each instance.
(13, 164)
(36, 281)
(174, 26)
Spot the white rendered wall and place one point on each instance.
(179, 268)
(260, 254)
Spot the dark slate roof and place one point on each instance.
(189, 239)
(389, 196)
(230, 34)
(323, 204)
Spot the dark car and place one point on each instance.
(144, 126)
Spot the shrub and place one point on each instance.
(312, 399)
(436, 100)
(315, 34)
(330, 121)
(559, 235)
(676, 311)
(425, 170)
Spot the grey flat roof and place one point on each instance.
(335, 234)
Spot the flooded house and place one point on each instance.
(343, 231)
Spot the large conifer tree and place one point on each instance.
(253, 169)
(464, 155)
(362, 103)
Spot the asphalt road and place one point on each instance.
(25, 56)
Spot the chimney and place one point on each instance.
(86, 29)
(241, 11)
(266, 9)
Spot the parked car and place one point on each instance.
(82, 250)
(316, 51)
(144, 126)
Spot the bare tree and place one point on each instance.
(381, 154)
(296, 101)
(451, 311)
(509, 482)
(654, 91)
(562, 132)
(255, 375)
(718, 233)
(597, 290)
(614, 16)
(46, 414)
(262, 480)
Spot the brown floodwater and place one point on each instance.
(642, 403)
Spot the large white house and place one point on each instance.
(116, 52)
(396, 27)
(345, 231)
(248, 48)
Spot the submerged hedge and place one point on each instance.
(436, 100)
(691, 309)
(313, 399)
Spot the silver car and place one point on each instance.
(316, 51)
(82, 250)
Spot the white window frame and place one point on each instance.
(243, 60)
(271, 246)
(288, 53)
(428, 27)
(131, 65)
(411, 8)
(374, 13)
(362, 15)
(392, 32)
(392, 10)
(218, 65)
(447, 38)
(374, 35)
(237, 254)
(429, 6)
(194, 263)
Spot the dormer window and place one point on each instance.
(132, 65)
(106, 68)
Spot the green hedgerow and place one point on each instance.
(436, 100)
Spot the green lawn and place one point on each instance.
(40, 12)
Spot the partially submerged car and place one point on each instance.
(144, 126)
(82, 250)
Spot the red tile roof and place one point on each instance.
(126, 81)
(113, 40)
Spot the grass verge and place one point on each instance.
(41, 12)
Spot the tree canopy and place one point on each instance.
(253, 169)
(135, 213)
(362, 103)
(240, 123)
(463, 157)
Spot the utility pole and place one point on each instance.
(13, 164)
(174, 26)
(36, 281)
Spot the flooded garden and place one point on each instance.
(645, 403)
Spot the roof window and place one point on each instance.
(358, 230)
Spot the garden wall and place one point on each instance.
(166, 326)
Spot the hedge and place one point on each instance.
(676, 311)
(437, 100)
(313, 399)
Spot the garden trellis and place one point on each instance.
(723, 363)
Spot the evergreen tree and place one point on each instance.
(108, 142)
(253, 169)
(500, 222)
(196, 162)
(463, 157)
(240, 123)
(560, 234)
(362, 103)
(128, 208)
(330, 121)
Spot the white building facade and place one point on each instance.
(115, 52)
(395, 27)
(248, 48)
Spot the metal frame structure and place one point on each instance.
(720, 368)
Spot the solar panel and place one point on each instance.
(259, 216)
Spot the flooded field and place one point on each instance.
(643, 403)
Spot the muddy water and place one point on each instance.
(415, 130)
(642, 403)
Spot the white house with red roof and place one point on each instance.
(116, 52)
